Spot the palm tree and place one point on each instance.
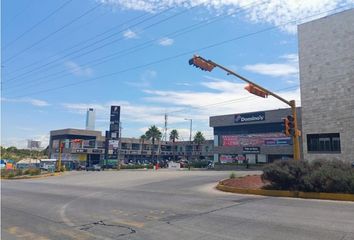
(199, 139)
(142, 139)
(153, 134)
(173, 137)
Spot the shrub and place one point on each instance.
(316, 176)
(18, 172)
(232, 175)
(11, 174)
(34, 171)
(199, 164)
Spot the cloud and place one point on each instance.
(78, 70)
(275, 69)
(166, 41)
(186, 84)
(274, 12)
(220, 97)
(21, 143)
(32, 101)
(145, 79)
(288, 69)
(128, 34)
(213, 97)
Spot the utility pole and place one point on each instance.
(165, 129)
(190, 133)
(208, 65)
(119, 145)
(190, 128)
(59, 157)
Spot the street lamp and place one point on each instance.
(208, 65)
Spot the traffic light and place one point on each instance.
(256, 91)
(289, 126)
(199, 62)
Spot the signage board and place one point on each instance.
(249, 117)
(251, 150)
(81, 150)
(115, 118)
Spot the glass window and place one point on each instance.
(325, 142)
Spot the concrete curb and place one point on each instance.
(34, 176)
(294, 194)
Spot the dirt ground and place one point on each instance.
(247, 182)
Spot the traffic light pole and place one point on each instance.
(296, 143)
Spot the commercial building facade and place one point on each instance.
(256, 137)
(79, 146)
(86, 147)
(326, 57)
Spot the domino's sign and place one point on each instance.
(250, 117)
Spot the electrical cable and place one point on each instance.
(52, 33)
(178, 55)
(38, 23)
(134, 48)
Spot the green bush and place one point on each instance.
(232, 175)
(199, 164)
(136, 166)
(18, 172)
(316, 176)
(34, 171)
(11, 175)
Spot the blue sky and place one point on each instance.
(61, 57)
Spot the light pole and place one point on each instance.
(208, 65)
(190, 132)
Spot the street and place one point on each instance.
(161, 205)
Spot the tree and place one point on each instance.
(173, 137)
(199, 139)
(142, 139)
(153, 134)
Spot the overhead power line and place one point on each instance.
(52, 33)
(99, 41)
(39, 23)
(179, 55)
(80, 43)
(130, 50)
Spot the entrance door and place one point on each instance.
(251, 158)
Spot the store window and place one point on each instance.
(323, 143)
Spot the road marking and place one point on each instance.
(23, 233)
(62, 210)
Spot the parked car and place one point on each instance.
(80, 167)
(95, 167)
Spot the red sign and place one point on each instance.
(255, 139)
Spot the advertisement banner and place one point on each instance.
(226, 159)
(256, 139)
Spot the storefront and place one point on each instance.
(255, 137)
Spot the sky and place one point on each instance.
(61, 57)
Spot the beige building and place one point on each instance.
(326, 57)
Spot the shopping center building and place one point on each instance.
(326, 57)
(87, 147)
(256, 136)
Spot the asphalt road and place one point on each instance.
(160, 205)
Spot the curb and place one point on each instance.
(34, 176)
(293, 194)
